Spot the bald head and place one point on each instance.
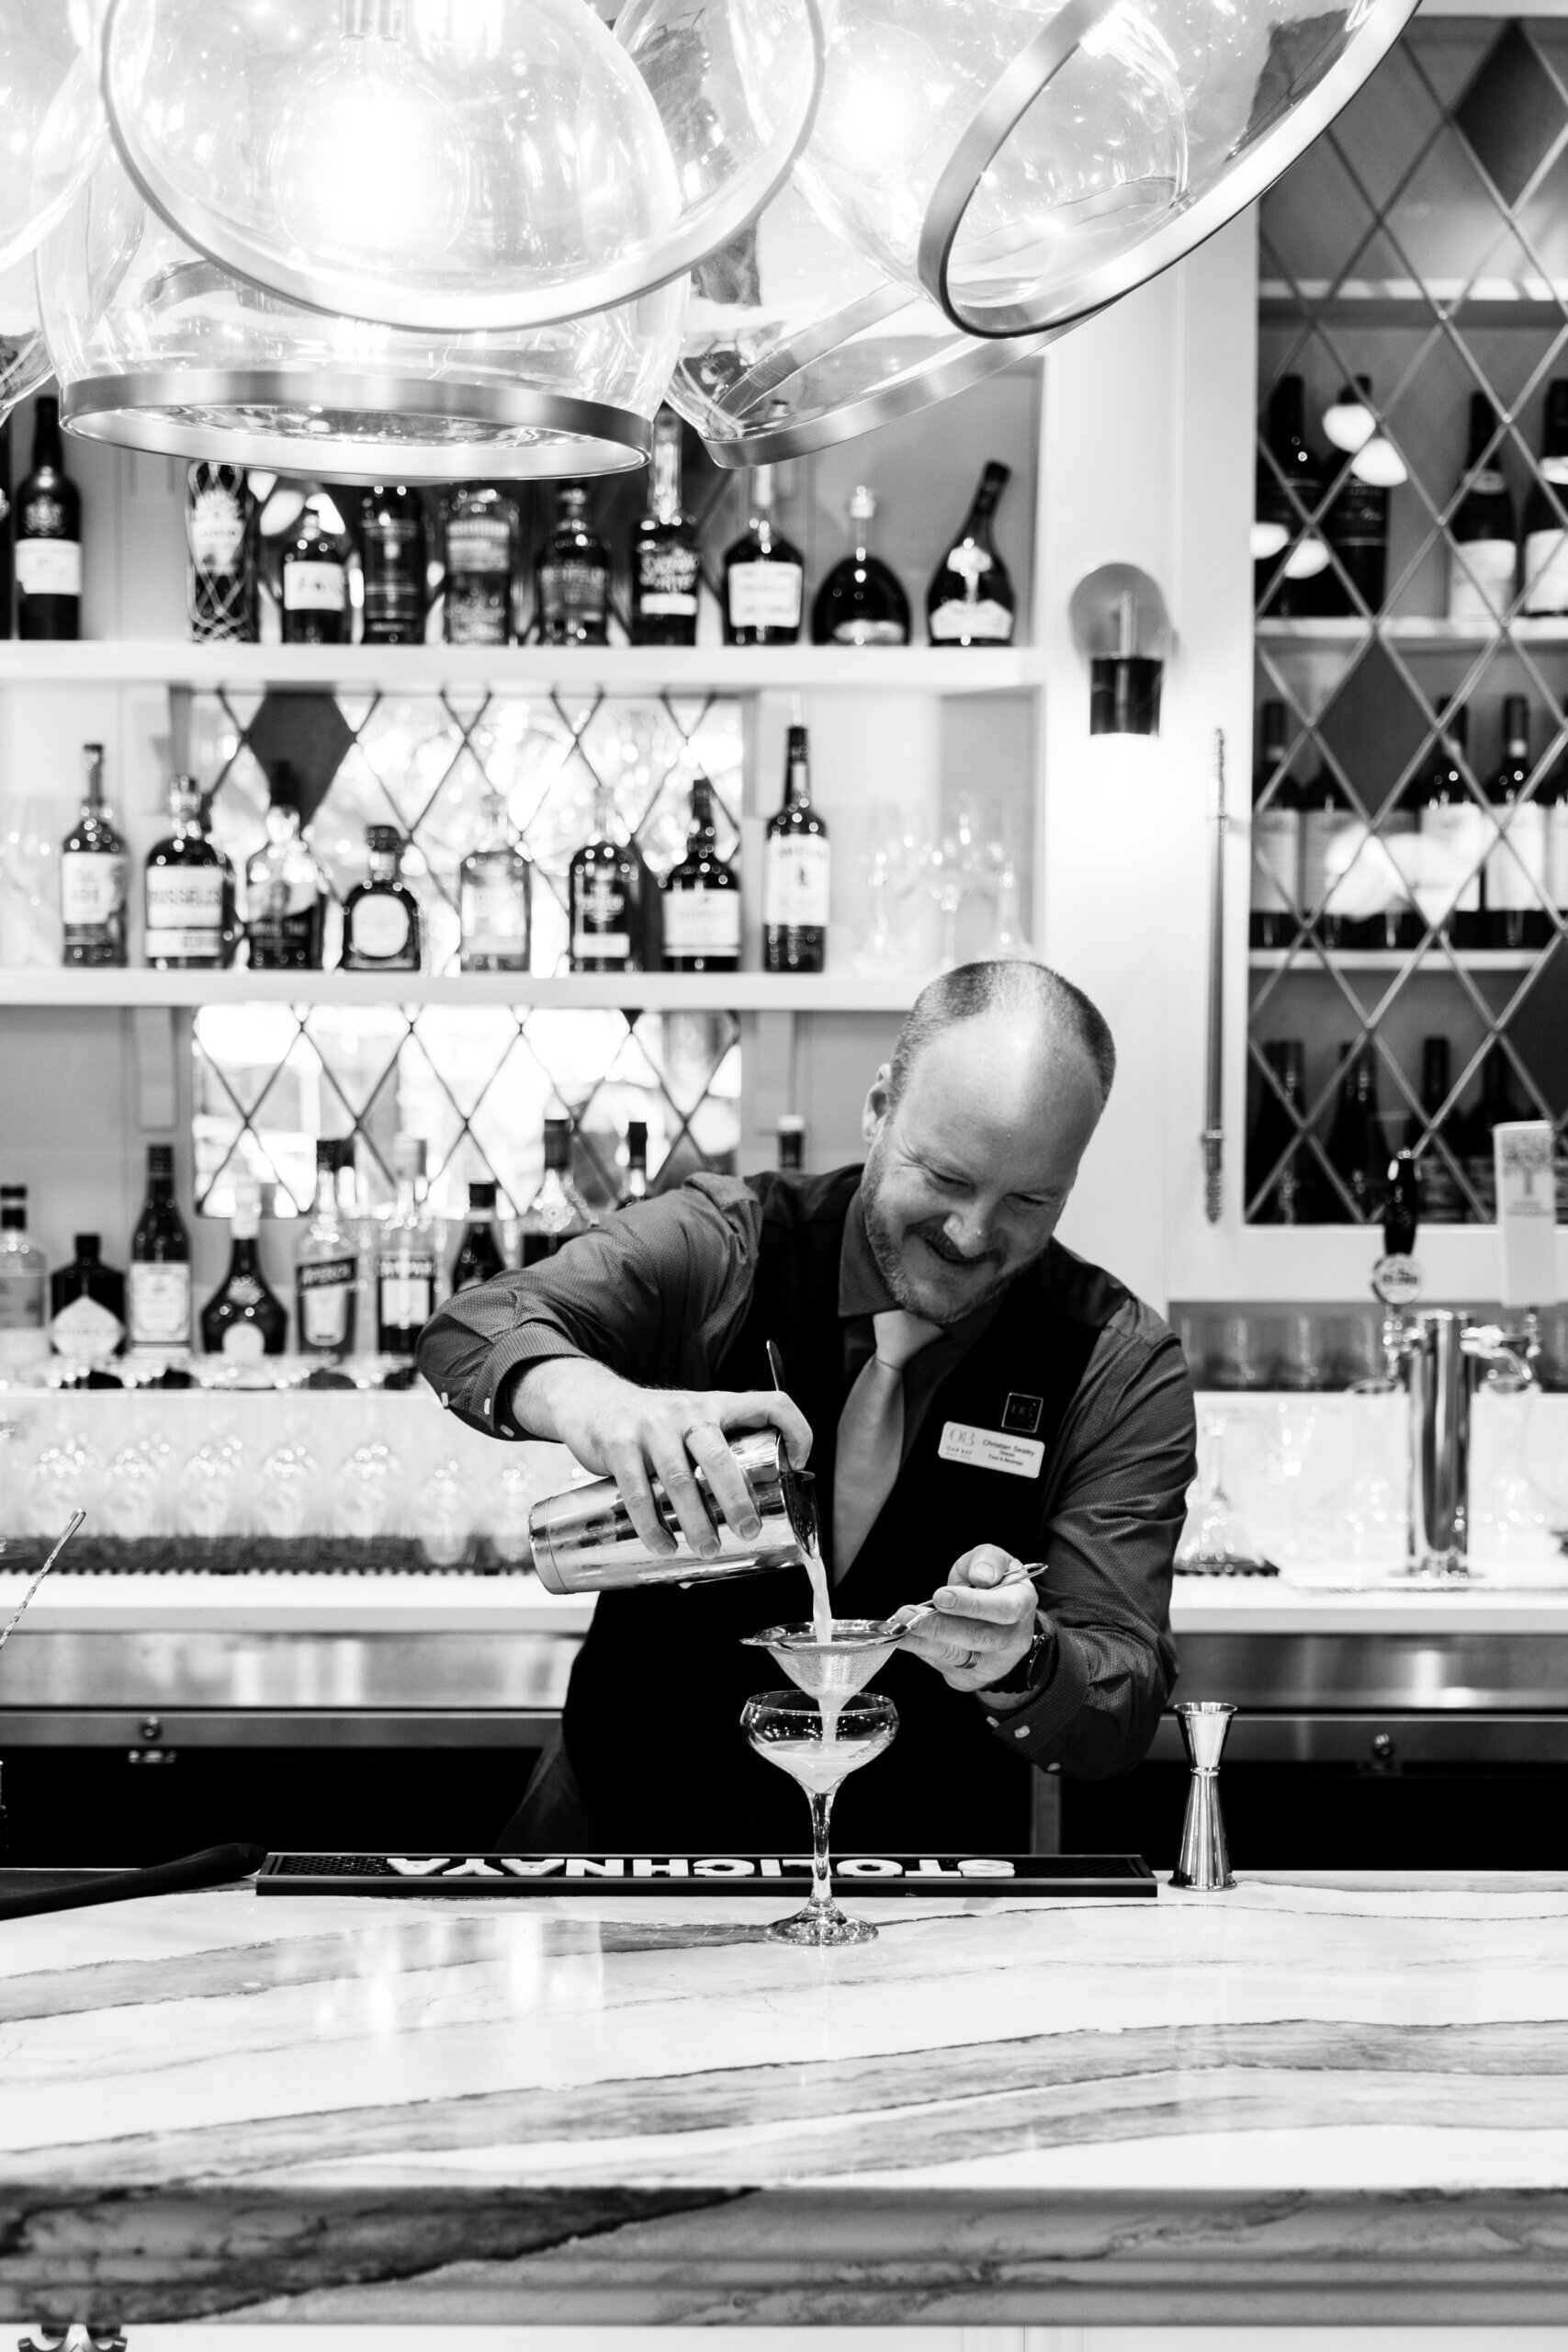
(1041, 1002)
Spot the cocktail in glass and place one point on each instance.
(819, 1744)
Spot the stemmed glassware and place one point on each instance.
(1215, 1542)
(820, 1745)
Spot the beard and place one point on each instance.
(888, 1244)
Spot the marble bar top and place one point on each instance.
(1311, 2099)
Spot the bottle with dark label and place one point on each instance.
(1289, 491)
(477, 600)
(666, 562)
(764, 578)
(286, 893)
(1484, 552)
(1276, 838)
(244, 1318)
(158, 1289)
(604, 897)
(221, 574)
(1278, 1163)
(702, 898)
(1358, 1146)
(394, 556)
(24, 1290)
(478, 1258)
(558, 1211)
(93, 877)
(87, 1307)
(797, 874)
(495, 896)
(1356, 530)
(326, 1271)
(315, 582)
(1545, 528)
(1438, 1188)
(185, 884)
(970, 600)
(634, 1185)
(790, 1142)
(1450, 838)
(381, 930)
(1514, 913)
(572, 575)
(405, 1258)
(860, 601)
(48, 537)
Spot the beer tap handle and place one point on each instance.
(1396, 1278)
(1507, 1354)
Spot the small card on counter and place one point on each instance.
(1012, 1875)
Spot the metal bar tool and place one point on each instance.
(1205, 1862)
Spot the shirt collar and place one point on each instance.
(862, 1288)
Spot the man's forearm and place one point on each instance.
(550, 1398)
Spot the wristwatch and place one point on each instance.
(1022, 1676)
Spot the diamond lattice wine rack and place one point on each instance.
(1410, 897)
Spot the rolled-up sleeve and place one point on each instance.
(655, 1293)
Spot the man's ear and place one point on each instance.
(878, 1102)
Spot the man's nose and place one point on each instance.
(968, 1230)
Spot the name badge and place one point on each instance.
(1021, 1457)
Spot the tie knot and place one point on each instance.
(900, 1336)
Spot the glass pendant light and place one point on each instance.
(158, 348)
(40, 61)
(460, 164)
(23, 356)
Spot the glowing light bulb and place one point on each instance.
(372, 157)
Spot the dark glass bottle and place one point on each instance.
(666, 561)
(185, 882)
(702, 898)
(764, 578)
(159, 1290)
(286, 893)
(48, 537)
(244, 1318)
(1545, 526)
(315, 584)
(1282, 508)
(1450, 838)
(1483, 554)
(477, 600)
(796, 873)
(478, 1258)
(1358, 1146)
(634, 1184)
(572, 575)
(405, 1258)
(87, 1307)
(220, 568)
(1329, 833)
(93, 877)
(970, 600)
(557, 1212)
(495, 896)
(1356, 530)
(1276, 838)
(1436, 1188)
(326, 1271)
(604, 897)
(1289, 1193)
(1513, 911)
(860, 601)
(1408, 830)
(394, 560)
(381, 928)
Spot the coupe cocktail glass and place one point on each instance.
(820, 1745)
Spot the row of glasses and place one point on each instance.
(905, 873)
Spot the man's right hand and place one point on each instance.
(631, 1434)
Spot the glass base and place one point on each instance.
(821, 1923)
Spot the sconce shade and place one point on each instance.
(1118, 621)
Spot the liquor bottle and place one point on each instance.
(1438, 1191)
(557, 1212)
(158, 1292)
(572, 575)
(394, 559)
(221, 572)
(184, 882)
(230, 925)
(796, 874)
(478, 1258)
(604, 897)
(326, 1271)
(1545, 527)
(860, 601)
(87, 1307)
(8, 542)
(93, 877)
(1450, 838)
(970, 599)
(286, 892)
(1357, 1148)
(702, 898)
(495, 896)
(477, 597)
(48, 537)
(1356, 530)
(381, 930)
(1330, 832)
(1393, 857)
(764, 578)
(790, 1137)
(1484, 553)
(1503, 1099)
(1289, 1195)
(23, 1290)
(315, 582)
(1276, 838)
(1554, 794)
(1515, 892)
(634, 1186)
(1287, 493)
(666, 562)
(405, 1258)
(244, 1318)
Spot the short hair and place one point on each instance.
(971, 990)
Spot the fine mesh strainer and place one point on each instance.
(837, 1669)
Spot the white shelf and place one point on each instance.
(1435, 961)
(646, 992)
(427, 669)
(1414, 633)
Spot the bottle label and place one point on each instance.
(158, 1303)
(1330, 839)
(702, 923)
(282, 933)
(378, 926)
(1276, 860)
(394, 591)
(406, 1296)
(185, 913)
(325, 1298)
(601, 946)
(215, 524)
(984, 620)
(573, 590)
(667, 581)
(1393, 857)
(1451, 845)
(797, 870)
(600, 930)
(1546, 571)
(310, 586)
(1557, 855)
(479, 543)
(242, 1343)
(863, 632)
(92, 888)
(493, 916)
(477, 614)
(86, 1331)
(1481, 578)
(49, 567)
(765, 595)
(1517, 865)
(21, 1303)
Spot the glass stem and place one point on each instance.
(821, 1873)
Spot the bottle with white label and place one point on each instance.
(604, 896)
(702, 898)
(381, 931)
(970, 600)
(49, 537)
(1450, 838)
(1484, 552)
(93, 877)
(87, 1309)
(405, 1258)
(326, 1272)
(797, 873)
(495, 896)
(666, 559)
(24, 1290)
(764, 578)
(186, 878)
(861, 601)
(1515, 912)
(315, 582)
(244, 1318)
(158, 1294)
(1554, 794)
(1546, 512)
(1276, 840)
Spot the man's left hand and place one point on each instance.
(984, 1620)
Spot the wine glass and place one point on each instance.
(1215, 1542)
(819, 1746)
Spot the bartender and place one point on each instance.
(983, 1411)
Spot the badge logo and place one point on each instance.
(1023, 1413)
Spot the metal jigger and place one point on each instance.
(1204, 1864)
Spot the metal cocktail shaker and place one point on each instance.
(583, 1540)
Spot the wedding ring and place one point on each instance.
(971, 1658)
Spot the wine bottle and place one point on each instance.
(495, 896)
(970, 600)
(394, 559)
(860, 601)
(93, 877)
(1356, 529)
(572, 575)
(1545, 528)
(1276, 838)
(315, 582)
(1329, 837)
(1289, 491)
(477, 600)
(478, 1258)
(244, 1318)
(557, 1212)
(405, 1258)
(1280, 1186)
(1516, 879)
(634, 1185)
(1554, 794)
(1357, 1148)
(326, 1271)
(764, 578)
(381, 928)
(1450, 838)
(221, 572)
(604, 897)
(184, 889)
(666, 562)
(48, 537)
(702, 898)
(24, 1290)
(1503, 1100)
(158, 1292)
(7, 535)
(790, 1142)
(797, 873)
(1484, 553)
(1437, 1187)
(286, 892)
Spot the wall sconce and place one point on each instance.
(1120, 624)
